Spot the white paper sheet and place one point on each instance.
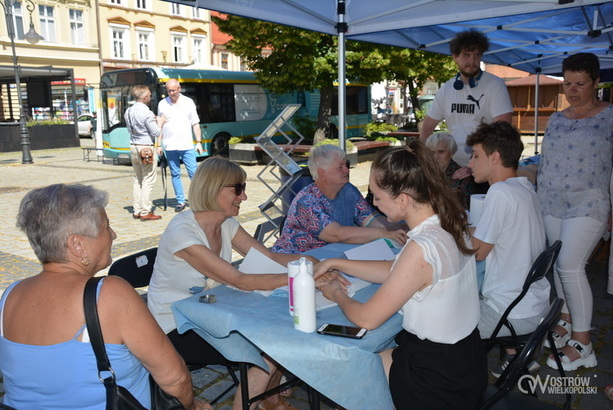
(377, 250)
(256, 262)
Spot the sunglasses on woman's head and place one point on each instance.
(238, 188)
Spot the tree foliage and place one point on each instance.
(287, 59)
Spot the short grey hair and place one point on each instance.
(438, 137)
(49, 215)
(322, 157)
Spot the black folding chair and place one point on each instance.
(541, 267)
(501, 396)
(266, 230)
(137, 270)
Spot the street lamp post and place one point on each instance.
(31, 37)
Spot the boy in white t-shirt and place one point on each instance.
(510, 234)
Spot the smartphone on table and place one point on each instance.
(342, 331)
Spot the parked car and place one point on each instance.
(85, 125)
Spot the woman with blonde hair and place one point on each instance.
(195, 254)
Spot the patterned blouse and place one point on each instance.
(311, 211)
(575, 169)
(463, 187)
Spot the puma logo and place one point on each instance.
(471, 98)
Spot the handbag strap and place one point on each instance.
(92, 322)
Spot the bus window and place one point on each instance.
(220, 98)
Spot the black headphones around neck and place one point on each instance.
(472, 81)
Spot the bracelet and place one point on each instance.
(198, 142)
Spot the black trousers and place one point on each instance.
(437, 376)
(195, 350)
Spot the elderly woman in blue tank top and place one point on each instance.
(45, 355)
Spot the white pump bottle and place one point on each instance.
(304, 298)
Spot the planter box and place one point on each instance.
(41, 137)
(352, 156)
(247, 154)
(252, 154)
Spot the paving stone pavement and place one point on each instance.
(17, 260)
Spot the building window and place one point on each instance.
(146, 51)
(117, 2)
(198, 49)
(175, 9)
(77, 33)
(18, 20)
(178, 48)
(141, 4)
(120, 44)
(196, 13)
(224, 60)
(47, 23)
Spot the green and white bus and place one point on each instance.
(229, 104)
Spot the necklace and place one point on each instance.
(583, 114)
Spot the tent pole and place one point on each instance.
(341, 27)
(536, 112)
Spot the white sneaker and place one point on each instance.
(586, 359)
(497, 370)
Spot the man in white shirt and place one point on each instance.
(177, 139)
(469, 98)
(510, 234)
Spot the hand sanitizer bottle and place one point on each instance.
(304, 298)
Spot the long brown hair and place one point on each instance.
(415, 172)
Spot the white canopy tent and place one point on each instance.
(533, 36)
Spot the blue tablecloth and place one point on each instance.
(241, 325)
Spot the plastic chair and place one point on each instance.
(500, 396)
(137, 270)
(540, 268)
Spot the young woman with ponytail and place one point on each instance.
(439, 361)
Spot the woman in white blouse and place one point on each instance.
(440, 361)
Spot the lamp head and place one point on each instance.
(32, 36)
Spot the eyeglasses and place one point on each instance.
(238, 188)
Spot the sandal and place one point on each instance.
(287, 392)
(282, 404)
(609, 392)
(560, 340)
(586, 359)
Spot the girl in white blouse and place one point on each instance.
(440, 361)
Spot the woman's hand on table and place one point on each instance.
(331, 276)
(311, 258)
(331, 289)
(398, 235)
(323, 267)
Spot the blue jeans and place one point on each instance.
(174, 163)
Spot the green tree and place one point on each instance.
(287, 59)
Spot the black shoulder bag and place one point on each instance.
(117, 397)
